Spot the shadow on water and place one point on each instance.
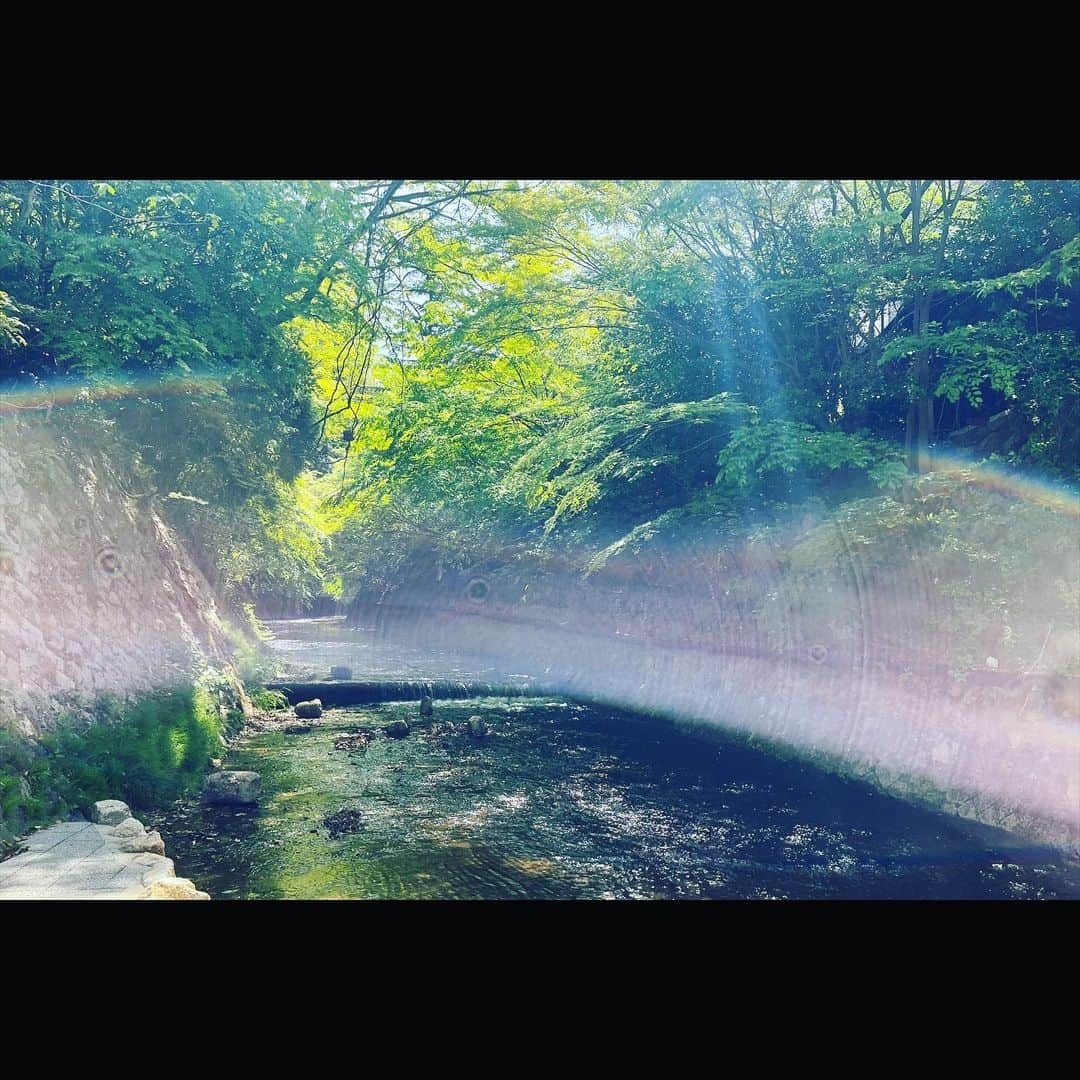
(564, 801)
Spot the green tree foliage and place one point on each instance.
(170, 306)
(162, 302)
(326, 382)
(667, 351)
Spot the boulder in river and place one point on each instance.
(340, 672)
(477, 726)
(109, 812)
(308, 710)
(234, 787)
(353, 742)
(297, 729)
(343, 822)
(397, 729)
(427, 706)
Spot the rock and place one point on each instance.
(352, 743)
(343, 822)
(476, 726)
(9, 843)
(129, 827)
(308, 710)
(341, 672)
(233, 787)
(150, 843)
(176, 889)
(992, 663)
(109, 812)
(427, 706)
(397, 729)
(297, 729)
(159, 868)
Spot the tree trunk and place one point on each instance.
(920, 419)
(26, 210)
(924, 405)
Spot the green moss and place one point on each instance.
(268, 700)
(147, 752)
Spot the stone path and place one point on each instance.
(82, 860)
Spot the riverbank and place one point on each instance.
(112, 858)
(147, 750)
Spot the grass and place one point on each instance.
(147, 752)
(268, 700)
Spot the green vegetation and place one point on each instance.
(934, 544)
(322, 383)
(330, 387)
(325, 383)
(602, 366)
(269, 700)
(147, 752)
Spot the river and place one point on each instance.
(565, 800)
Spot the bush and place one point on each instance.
(147, 753)
(268, 700)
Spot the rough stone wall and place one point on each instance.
(96, 593)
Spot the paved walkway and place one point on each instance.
(78, 860)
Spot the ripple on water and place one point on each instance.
(574, 801)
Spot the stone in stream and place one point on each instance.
(234, 787)
(353, 742)
(343, 822)
(297, 729)
(308, 710)
(339, 672)
(427, 706)
(477, 726)
(109, 812)
(397, 729)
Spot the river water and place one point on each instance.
(565, 800)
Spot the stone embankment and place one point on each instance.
(111, 857)
(97, 593)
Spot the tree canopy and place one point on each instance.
(323, 380)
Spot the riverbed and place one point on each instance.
(562, 800)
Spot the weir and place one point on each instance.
(371, 691)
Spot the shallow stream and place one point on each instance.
(563, 800)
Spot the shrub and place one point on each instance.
(147, 752)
